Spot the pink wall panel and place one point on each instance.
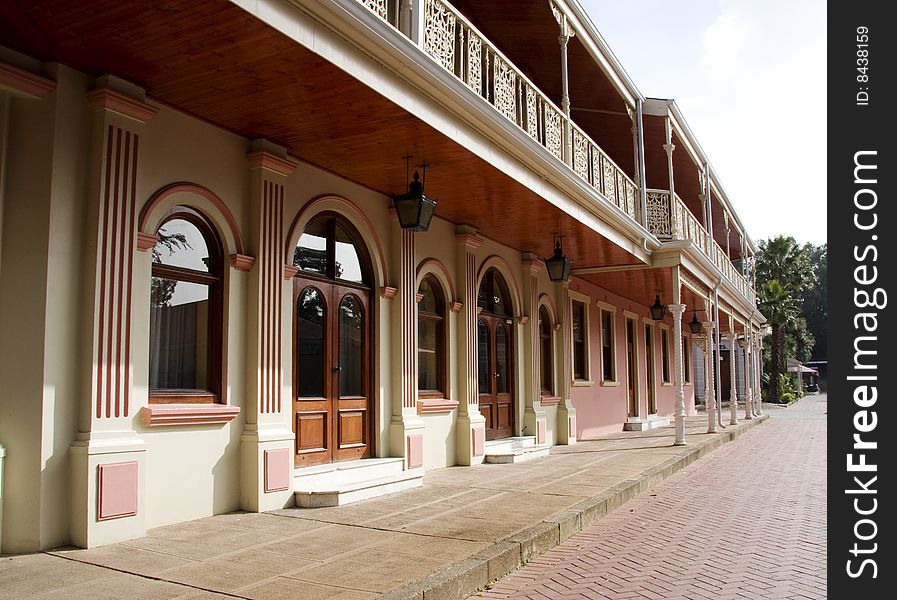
(117, 490)
(277, 470)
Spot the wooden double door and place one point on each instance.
(494, 375)
(331, 347)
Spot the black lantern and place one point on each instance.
(558, 265)
(657, 309)
(414, 209)
(695, 325)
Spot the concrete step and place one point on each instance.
(338, 473)
(339, 494)
(510, 443)
(515, 450)
(652, 422)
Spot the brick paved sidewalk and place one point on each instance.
(465, 527)
(747, 521)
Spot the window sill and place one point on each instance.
(667, 384)
(549, 400)
(158, 415)
(435, 405)
(610, 383)
(583, 383)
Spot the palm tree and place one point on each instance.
(783, 271)
(780, 308)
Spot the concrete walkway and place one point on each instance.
(465, 527)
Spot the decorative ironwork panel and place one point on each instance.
(677, 219)
(580, 154)
(621, 190)
(630, 200)
(658, 217)
(439, 35)
(609, 187)
(596, 169)
(474, 62)
(505, 81)
(554, 131)
(378, 7)
(532, 113)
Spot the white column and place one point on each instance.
(471, 425)
(676, 310)
(758, 362)
(733, 375)
(745, 344)
(564, 35)
(107, 456)
(669, 147)
(709, 393)
(266, 446)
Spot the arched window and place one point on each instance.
(331, 249)
(546, 356)
(431, 338)
(493, 296)
(186, 310)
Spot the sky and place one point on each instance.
(750, 78)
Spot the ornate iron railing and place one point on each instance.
(459, 47)
(673, 221)
(593, 165)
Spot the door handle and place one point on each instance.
(496, 374)
(337, 369)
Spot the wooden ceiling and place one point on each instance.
(215, 61)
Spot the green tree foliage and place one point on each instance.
(784, 272)
(813, 301)
(793, 284)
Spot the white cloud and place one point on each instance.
(723, 43)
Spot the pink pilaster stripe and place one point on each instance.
(263, 328)
(103, 233)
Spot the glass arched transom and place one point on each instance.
(431, 337)
(493, 296)
(329, 247)
(186, 316)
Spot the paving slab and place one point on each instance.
(466, 527)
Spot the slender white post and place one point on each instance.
(759, 374)
(676, 310)
(733, 378)
(745, 344)
(709, 394)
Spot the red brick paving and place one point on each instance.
(747, 521)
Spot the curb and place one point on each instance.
(468, 576)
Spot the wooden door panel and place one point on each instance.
(351, 428)
(311, 432)
(486, 410)
(351, 358)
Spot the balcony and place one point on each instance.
(453, 42)
(673, 221)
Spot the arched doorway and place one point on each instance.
(495, 355)
(332, 412)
